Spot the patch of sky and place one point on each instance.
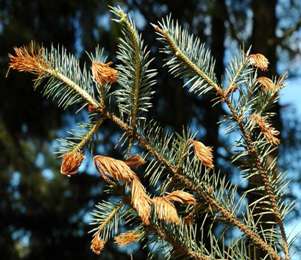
(47, 174)
(40, 160)
(104, 21)
(291, 94)
(87, 166)
(160, 9)
(139, 19)
(78, 35)
(15, 179)
(22, 235)
(22, 238)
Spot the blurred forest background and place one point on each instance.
(43, 215)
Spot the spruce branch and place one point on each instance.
(179, 247)
(186, 182)
(79, 137)
(176, 40)
(71, 84)
(135, 77)
(263, 171)
(88, 136)
(176, 172)
(53, 67)
(187, 54)
(106, 217)
(237, 72)
(68, 83)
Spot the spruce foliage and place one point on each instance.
(183, 189)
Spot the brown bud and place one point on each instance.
(181, 197)
(259, 61)
(267, 84)
(91, 108)
(102, 73)
(135, 161)
(190, 218)
(127, 238)
(71, 162)
(140, 201)
(165, 210)
(112, 169)
(97, 245)
(28, 59)
(204, 153)
(269, 132)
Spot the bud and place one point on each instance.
(204, 153)
(267, 84)
(113, 169)
(97, 245)
(181, 197)
(28, 59)
(102, 73)
(165, 210)
(189, 219)
(127, 238)
(141, 201)
(135, 161)
(71, 162)
(259, 61)
(269, 132)
(91, 108)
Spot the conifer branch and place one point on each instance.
(137, 69)
(263, 173)
(110, 217)
(178, 53)
(200, 191)
(68, 83)
(87, 137)
(229, 217)
(205, 73)
(175, 171)
(107, 216)
(260, 166)
(84, 94)
(47, 65)
(238, 72)
(79, 137)
(178, 247)
(135, 77)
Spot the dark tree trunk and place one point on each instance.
(212, 114)
(178, 101)
(262, 40)
(218, 33)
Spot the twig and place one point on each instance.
(190, 185)
(176, 245)
(247, 137)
